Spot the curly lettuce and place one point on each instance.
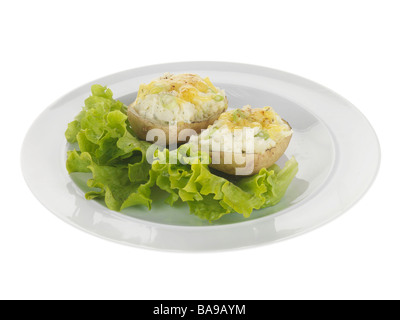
(117, 159)
(210, 196)
(122, 176)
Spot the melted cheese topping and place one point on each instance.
(266, 119)
(179, 98)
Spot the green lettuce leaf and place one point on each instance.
(111, 183)
(210, 196)
(100, 126)
(117, 159)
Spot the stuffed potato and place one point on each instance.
(243, 141)
(173, 103)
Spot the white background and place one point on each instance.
(52, 47)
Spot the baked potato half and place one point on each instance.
(173, 103)
(243, 141)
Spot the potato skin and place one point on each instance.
(264, 160)
(141, 126)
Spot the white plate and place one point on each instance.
(337, 150)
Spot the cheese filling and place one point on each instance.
(244, 130)
(179, 98)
